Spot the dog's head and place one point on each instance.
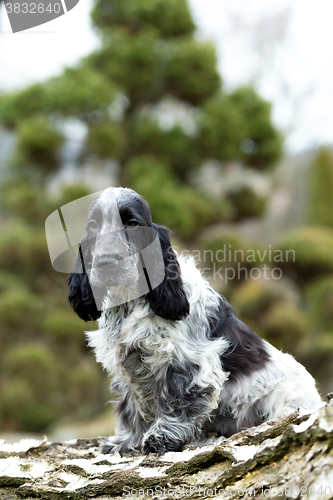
(118, 227)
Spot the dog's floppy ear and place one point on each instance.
(169, 300)
(80, 294)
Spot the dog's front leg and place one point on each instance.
(183, 405)
(131, 428)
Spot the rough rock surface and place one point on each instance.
(290, 457)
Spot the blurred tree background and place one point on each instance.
(154, 113)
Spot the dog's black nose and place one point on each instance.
(107, 260)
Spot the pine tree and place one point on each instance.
(149, 58)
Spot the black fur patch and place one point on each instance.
(247, 352)
(180, 399)
(81, 298)
(169, 300)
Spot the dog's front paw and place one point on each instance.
(109, 448)
(161, 444)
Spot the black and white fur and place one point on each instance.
(184, 364)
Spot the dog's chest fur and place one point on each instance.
(137, 347)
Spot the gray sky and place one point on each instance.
(284, 47)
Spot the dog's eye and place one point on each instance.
(92, 225)
(132, 222)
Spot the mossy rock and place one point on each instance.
(308, 253)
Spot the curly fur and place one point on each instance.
(184, 364)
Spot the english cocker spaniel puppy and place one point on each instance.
(184, 364)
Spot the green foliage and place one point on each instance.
(9, 281)
(72, 192)
(253, 299)
(21, 104)
(19, 309)
(183, 67)
(323, 349)
(63, 326)
(256, 113)
(23, 250)
(39, 142)
(321, 189)
(313, 253)
(82, 382)
(191, 72)
(105, 140)
(269, 310)
(222, 129)
(228, 249)
(28, 393)
(319, 296)
(80, 92)
(25, 200)
(172, 204)
(29, 360)
(170, 17)
(134, 62)
(284, 326)
(231, 119)
(174, 146)
(246, 202)
(22, 409)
